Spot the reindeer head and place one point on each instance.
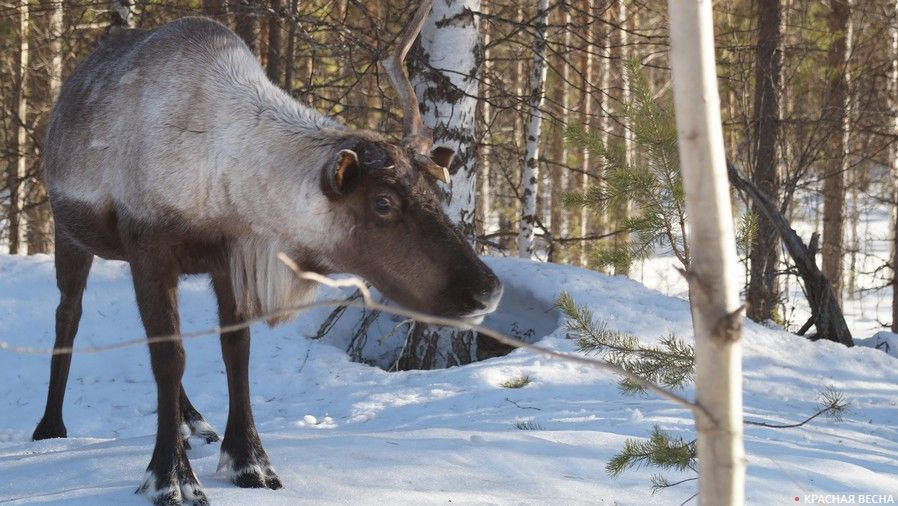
(399, 238)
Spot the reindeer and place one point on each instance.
(170, 149)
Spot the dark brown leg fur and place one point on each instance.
(242, 455)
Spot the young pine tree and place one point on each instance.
(651, 182)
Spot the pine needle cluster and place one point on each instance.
(661, 450)
(832, 403)
(650, 183)
(517, 382)
(527, 425)
(670, 363)
(746, 231)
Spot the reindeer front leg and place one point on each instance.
(242, 457)
(169, 479)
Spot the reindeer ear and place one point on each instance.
(437, 163)
(340, 174)
(442, 156)
(435, 171)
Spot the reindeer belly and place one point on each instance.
(104, 231)
(93, 228)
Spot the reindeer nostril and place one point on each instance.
(489, 298)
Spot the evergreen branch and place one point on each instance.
(671, 363)
(661, 450)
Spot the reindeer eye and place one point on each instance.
(382, 205)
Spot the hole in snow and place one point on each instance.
(394, 344)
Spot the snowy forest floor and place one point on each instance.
(439, 436)
(867, 301)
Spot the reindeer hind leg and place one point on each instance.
(72, 268)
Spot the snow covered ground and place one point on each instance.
(439, 436)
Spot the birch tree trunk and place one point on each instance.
(837, 114)
(762, 287)
(39, 217)
(485, 202)
(561, 220)
(530, 174)
(446, 84)
(586, 113)
(518, 80)
(893, 158)
(713, 275)
(445, 70)
(17, 171)
(446, 81)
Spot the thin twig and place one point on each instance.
(674, 484)
(790, 425)
(693, 496)
(522, 407)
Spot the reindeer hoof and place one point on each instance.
(49, 430)
(172, 492)
(258, 473)
(199, 428)
(257, 478)
(203, 430)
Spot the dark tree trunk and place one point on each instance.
(762, 286)
(826, 315)
(216, 9)
(273, 66)
(246, 25)
(291, 45)
(836, 116)
(893, 156)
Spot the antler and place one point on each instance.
(417, 137)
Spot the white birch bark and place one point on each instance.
(586, 112)
(893, 158)
(16, 179)
(713, 277)
(447, 88)
(446, 78)
(530, 174)
(54, 25)
(565, 176)
(40, 221)
(485, 204)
